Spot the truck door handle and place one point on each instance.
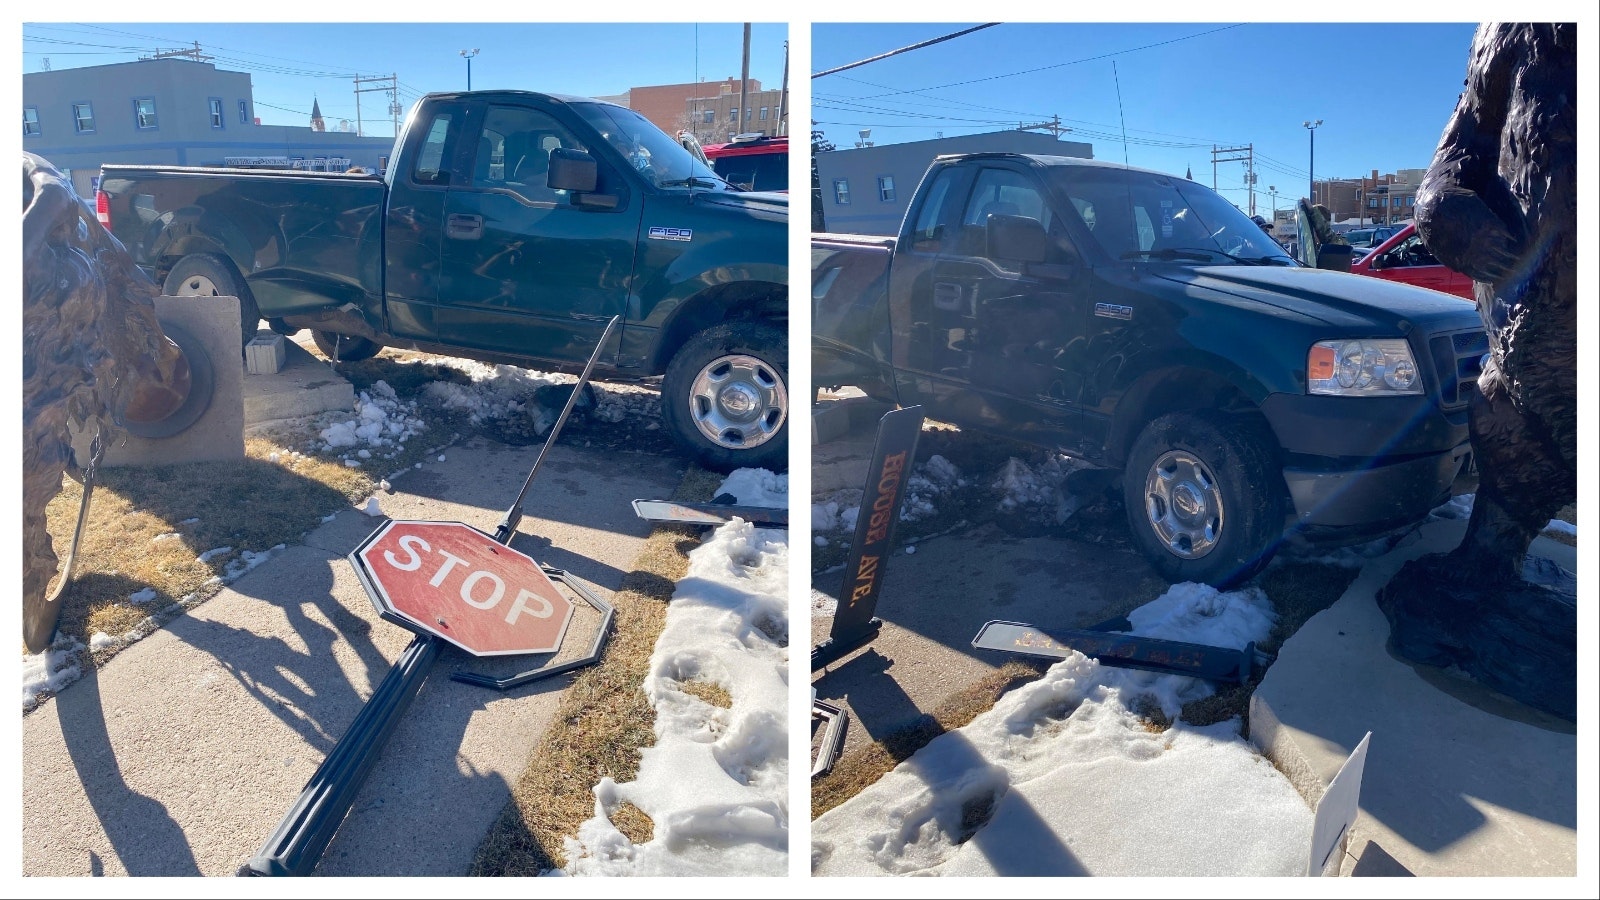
(464, 226)
(947, 295)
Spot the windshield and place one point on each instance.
(660, 159)
(1146, 215)
(755, 171)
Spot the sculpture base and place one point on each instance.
(1519, 638)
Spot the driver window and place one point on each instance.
(514, 152)
(999, 192)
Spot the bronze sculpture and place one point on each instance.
(1499, 203)
(93, 354)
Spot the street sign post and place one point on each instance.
(453, 581)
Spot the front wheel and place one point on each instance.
(725, 399)
(345, 347)
(1205, 497)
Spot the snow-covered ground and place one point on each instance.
(716, 782)
(1063, 777)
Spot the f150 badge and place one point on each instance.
(1113, 311)
(658, 233)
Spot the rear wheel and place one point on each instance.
(725, 397)
(1204, 497)
(213, 275)
(345, 347)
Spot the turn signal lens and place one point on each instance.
(1362, 368)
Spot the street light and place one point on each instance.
(1273, 190)
(1312, 127)
(469, 54)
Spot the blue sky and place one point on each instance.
(1383, 92)
(292, 62)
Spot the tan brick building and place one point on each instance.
(706, 108)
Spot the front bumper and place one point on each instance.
(1335, 502)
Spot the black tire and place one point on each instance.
(213, 275)
(1215, 514)
(345, 347)
(720, 435)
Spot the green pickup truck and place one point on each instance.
(508, 227)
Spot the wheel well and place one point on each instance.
(1172, 390)
(721, 303)
(187, 246)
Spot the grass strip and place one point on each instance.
(604, 718)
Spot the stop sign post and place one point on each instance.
(455, 582)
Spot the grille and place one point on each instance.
(1458, 360)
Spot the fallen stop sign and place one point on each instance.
(454, 581)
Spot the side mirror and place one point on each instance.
(1017, 238)
(572, 170)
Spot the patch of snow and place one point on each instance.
(371, 507)
(167, 536)
(820, 541)
(51, 670)
(1562, 526)
(925, 486)
(441, 457)
(248, 559)
(190, 522)
(100, 640)
(1075, 783)
(213, 553)
(144, 596)
(715, 783)
(756, 487)
(1457, 507)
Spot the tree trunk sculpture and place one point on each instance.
(1499, 203)
(92, 351)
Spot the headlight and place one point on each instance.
(1362, 368)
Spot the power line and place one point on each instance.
(917, 46)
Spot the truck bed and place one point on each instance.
(850, 310)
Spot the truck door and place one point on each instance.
(414, 220)
(524, 271)
(1002, 335)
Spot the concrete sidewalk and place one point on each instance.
(1459, 780)
(180, 756)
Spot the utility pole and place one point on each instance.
(390, 89)
(1249, 160)
(744, 85)
(193, 54)
(468, 55)
(783, 95)
(1053, 126)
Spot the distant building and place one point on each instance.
(168, 112)
(1371, 199)
(707, 108)
(866, 189)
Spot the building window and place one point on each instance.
(145, 111)
(733, 114)
(83, 117)
(841, 191)
(748, 113)
(244, 113)
(763, 113)
(1397, 202)
(30, 120)
(708, 116)
(886, 188)
(215, 105)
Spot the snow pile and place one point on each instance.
(927, 483)
(383, 422)
(1457, 507)
(1062, 777)
(757, 487)
(1038, 492)
(715, 784)
(1562, 526)
(50, 670)
(143, 596)
(496, 392)
(248, 559)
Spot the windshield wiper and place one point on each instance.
(1198, 255)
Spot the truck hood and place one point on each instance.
(760, 204)
(1337, 299)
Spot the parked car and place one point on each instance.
(1140, 321)
(1367, 238)
(754, 162)
(511, 226)
(1404, 258)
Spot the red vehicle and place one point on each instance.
(1403, 258)
(753, 162)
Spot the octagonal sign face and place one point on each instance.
(454, 581)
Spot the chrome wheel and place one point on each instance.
(738, 402)
(1183, 504)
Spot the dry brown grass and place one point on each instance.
(856, 770)
(632, 822)
(603, 720)
(709, 691)
(147, 527)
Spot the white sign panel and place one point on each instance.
(1336, 812)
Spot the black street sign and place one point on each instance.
(892, 457)
(1125, 650)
